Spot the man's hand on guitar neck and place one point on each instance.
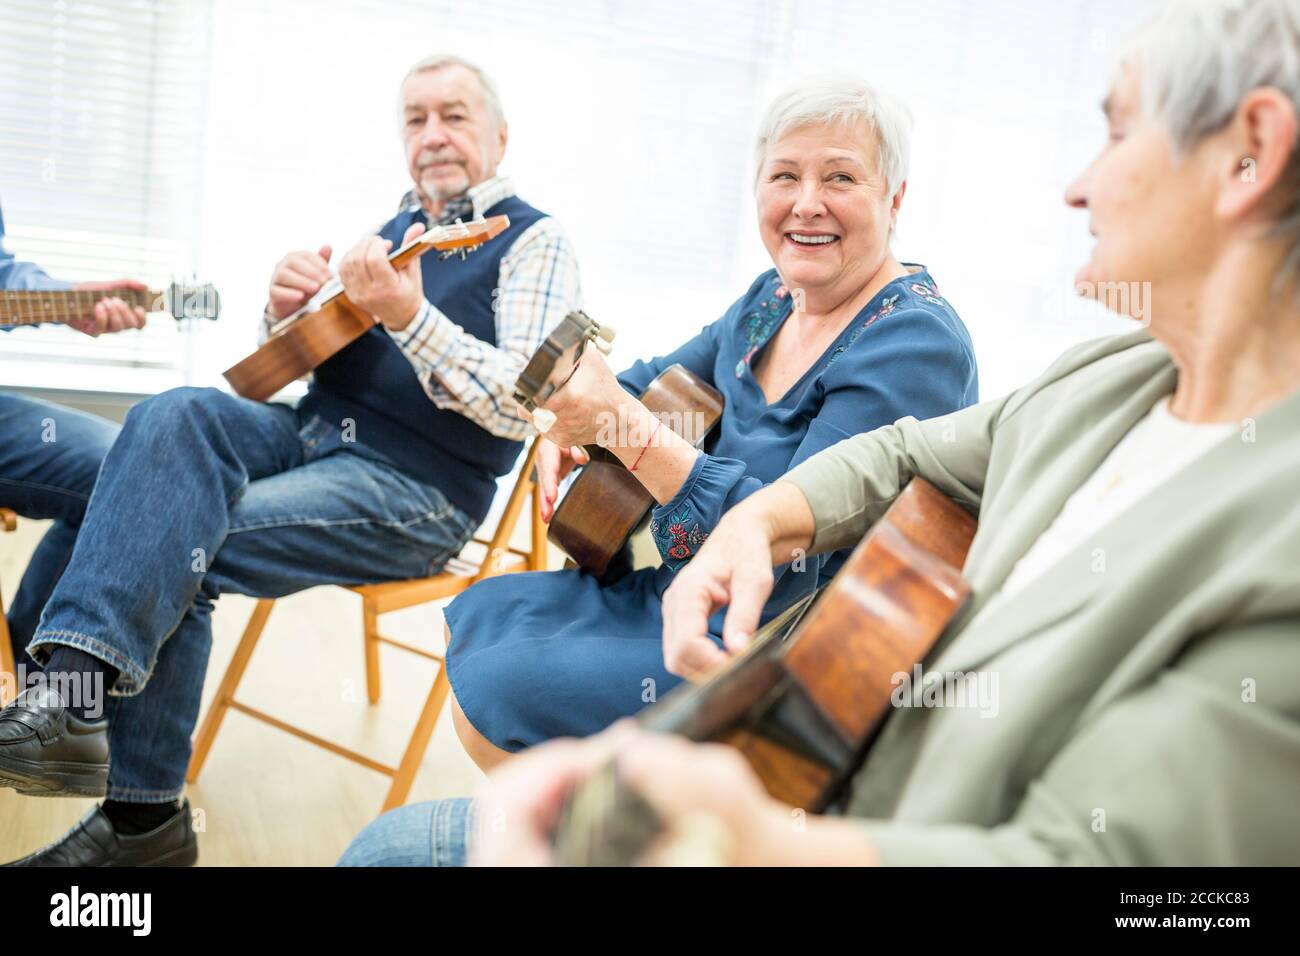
(393, 296)
(110, 314)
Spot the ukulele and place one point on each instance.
(329, 321)
(34, 307)
(606, 502)
(804, 700)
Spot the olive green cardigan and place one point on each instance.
(1147, 705)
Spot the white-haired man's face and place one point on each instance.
(824, 209)
(452, 139)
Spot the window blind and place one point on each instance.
(100, 130)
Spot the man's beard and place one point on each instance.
(443, 189)
(439, 190)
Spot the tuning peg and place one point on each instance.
(606, 333)
(543, 420)
(603, 345)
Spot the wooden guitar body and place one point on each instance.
(805, 700)
(606, 502)
(292, 353)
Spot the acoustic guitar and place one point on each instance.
(329, 322)
(804, 700)
(36, 307)
(606, 502)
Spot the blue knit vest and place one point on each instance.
(372, 383)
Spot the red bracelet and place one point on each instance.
(658, 423)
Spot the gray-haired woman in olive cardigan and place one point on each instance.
(1137, 570)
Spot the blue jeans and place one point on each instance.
(49, 457)
(425, 834)
(205, 494)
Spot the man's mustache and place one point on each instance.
(429, 158)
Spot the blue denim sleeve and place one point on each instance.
(18, 275)
(912, 363)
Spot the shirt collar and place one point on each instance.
(482, 197)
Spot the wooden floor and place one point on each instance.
(266, 798)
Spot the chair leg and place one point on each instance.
(419, 742)
(226, 692)
(537, 554)
(370, 627)
(8, 673)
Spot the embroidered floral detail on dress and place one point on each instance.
(886, 307)
(678, 536)
(928, 291)
(760, 324)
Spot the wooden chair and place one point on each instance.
(377, 599)
(8, 673)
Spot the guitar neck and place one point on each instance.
(333, 292)
(36, 307)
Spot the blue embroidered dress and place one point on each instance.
(560, 653)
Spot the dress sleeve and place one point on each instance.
(699, 354)
(908, 363)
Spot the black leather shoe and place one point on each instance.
(46, 751)
(94, 842)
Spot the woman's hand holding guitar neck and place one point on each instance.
(594, 409)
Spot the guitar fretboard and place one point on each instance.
(34, 307)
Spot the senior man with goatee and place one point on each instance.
(381, 472)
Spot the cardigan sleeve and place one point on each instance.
(854, 482)
(910, 363)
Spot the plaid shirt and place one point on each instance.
(536, 287)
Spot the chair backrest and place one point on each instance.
(459, 573)
(499, 544)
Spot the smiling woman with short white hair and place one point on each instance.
(837, 338)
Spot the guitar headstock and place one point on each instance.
(556, 358)
(191, 301)
(464, 237)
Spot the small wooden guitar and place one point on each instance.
(329, 322)
(606, 502)
(63, 306)
(804, 701)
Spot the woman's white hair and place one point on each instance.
(490, 95)
(1196, 61)
(843, 101)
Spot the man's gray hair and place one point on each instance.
(843, 101)
(1196, 61)
(490, 95)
